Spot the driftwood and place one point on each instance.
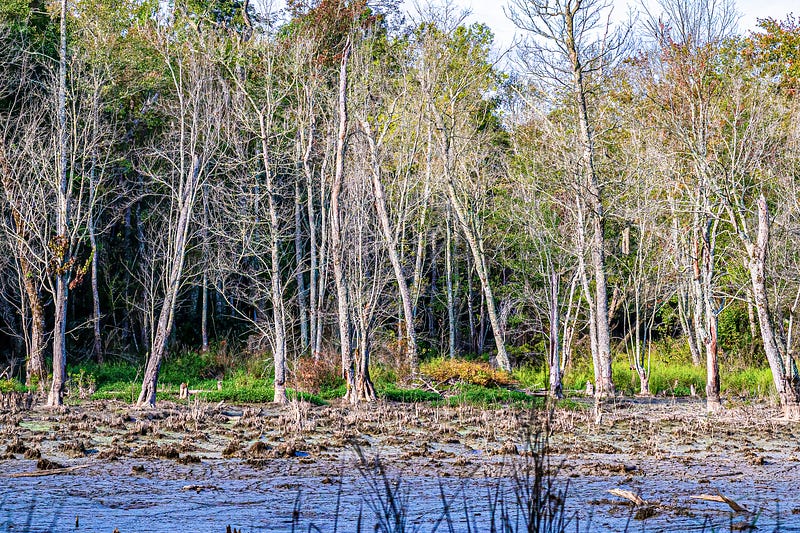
(721, 499)
(628, 495)
(51, 472)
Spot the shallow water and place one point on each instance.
(663, 450)
(230, 493)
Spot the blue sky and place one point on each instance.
(491, 13)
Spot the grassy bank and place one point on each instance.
(218, 377)
(666, 378)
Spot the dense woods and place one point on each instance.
(339, 181)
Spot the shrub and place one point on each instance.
(11, 385)
(317, 375)
(461, 371)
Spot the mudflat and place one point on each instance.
(202, 467)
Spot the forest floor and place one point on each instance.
(200, 467)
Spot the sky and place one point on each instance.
(491, 12)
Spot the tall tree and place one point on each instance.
(178, 163)
(570, 48)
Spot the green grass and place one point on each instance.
(668, 377)
(756, 382)
(262, 394)
(391, 392)
(492, 397)
(672, 374)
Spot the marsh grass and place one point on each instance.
(670, 378)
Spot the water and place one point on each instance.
(210, 496)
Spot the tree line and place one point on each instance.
(338, 177)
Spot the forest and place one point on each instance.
(340, 189)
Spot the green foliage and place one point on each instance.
(11, 385)
(130, 395)
(260, 394)
(13, 10)
(190, 367)
(778, 49)
(333, 393)
(754, 382)
(532, 377)
(108, 373)
(671, 373)
(734, 330)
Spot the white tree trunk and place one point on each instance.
(62, 274)
(391, 247)
(784, 371)
(147, 396)
(346, 348)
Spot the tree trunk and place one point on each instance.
(784, 371)
(276, 285)
(302, 292)
(391, 248)
(147, 396)
(604, 384)
(204, 285)
(416, 279)
(556, 388)
(364, 390)
(36, 371)
(97, 347)
(345, 341)
(713, 401)
(62, 243)
(684, 291)
(587, 293)
(473, 334)
(451, 312)
(313, 270)
(476, 248)
(204, 314)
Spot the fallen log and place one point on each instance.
(51, 472)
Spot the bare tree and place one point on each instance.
(682, 65)
(336, 230)
(453, 85)
(570, 40)
(178, 165)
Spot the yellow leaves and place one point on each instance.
(459, 370)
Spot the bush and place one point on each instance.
(461, 371)
(317, 375)
(108, 373)
(189, 367)
(11, 385)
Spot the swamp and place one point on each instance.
(201, 467)
(392, 266)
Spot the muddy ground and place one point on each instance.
(201, 467)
